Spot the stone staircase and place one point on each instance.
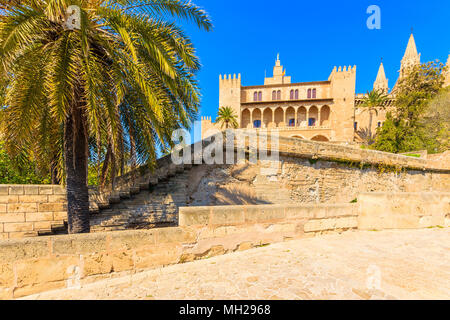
(142, 199)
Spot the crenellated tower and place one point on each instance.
(230, 93)
(342, 89)
(381, 83)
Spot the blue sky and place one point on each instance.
(312, 37)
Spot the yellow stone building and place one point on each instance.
(321, 110)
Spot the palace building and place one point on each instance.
(321, 110)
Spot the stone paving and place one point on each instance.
(397, 264)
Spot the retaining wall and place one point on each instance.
(29, 266)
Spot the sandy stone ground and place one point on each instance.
(398, 264)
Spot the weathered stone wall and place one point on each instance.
(26, 209)
(29, 266)
(380, 210)
(34, 265)
(307, 172)
(299, 180)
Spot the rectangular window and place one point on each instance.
(291, 122)
(355, 126)
(311, 122)
(257, 124)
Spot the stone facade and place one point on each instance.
(320, 111)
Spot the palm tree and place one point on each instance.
(373, 101)
(123, 73)
(227, 117)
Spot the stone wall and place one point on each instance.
(29, 266)
(26, 209)
(34, 265)
(380, 210)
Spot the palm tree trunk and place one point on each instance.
(370, 127)
(76, 158)
(105, 167)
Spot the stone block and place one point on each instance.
(44, 270)
(31, 190)
(22, 207)
(60, 215)
(9, 199)
(18, 227)
(15, 190)
(128, 240)
(4, 190)
(227, 215)
(177, 235)
(194, 216)
(80, 244)
(97, 263)
(59, 190)
(264, 213)
(12, 217)
(33, 198)
(15, 250)
(59, 198)
(2, 207)
(46, 190)
(52, 207)
(158, 255)
(38, 216)
(7, 278)
(122, 261)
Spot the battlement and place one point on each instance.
(230, 81)
(206, 118)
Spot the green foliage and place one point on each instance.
(131, 72)
(404, 130)
(354, 200)
(373, 101)
(227, 117)
(19, 170)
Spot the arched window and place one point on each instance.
(314, 93)
(291, 96)
(260, 96)
(309, 93)
(296, 94)
(274, 95)
(255, 96)
(279, 95)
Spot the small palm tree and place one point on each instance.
(113, 72)
(227, 117)
(373, 101)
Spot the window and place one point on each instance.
(291, 122)
(379, 124)
(255, 96)
(311, 122)
(274, 95)
(279, 95)
(309, 93)
(314, 93)
(257, 124)
(355, 126)
(260, 96)
(296, 94)
(292, 95)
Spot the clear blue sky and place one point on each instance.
(312, 37)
